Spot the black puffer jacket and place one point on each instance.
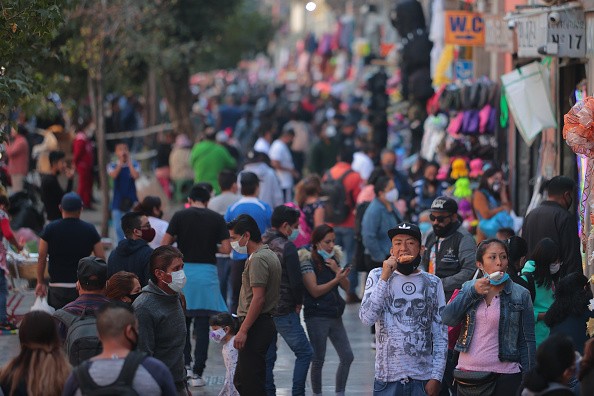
(291, 287)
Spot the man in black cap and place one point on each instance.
(92, 276)
(405, 304)
(450, 250)
(66, 241)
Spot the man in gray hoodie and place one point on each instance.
(161, 320)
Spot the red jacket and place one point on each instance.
(82, 150)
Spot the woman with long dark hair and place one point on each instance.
(491, 204)
(569, 313)
(496, 341)
(323, 306)
(541, 270)
(41, 367)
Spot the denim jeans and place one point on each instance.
(224, 273)
(289, 327)
(319, 330)
(116, 221)
(345, 237)
(3, 297)
(201, 331)
(410, 387)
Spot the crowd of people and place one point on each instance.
(286, 203)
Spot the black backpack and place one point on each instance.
(82, 340)
(122, 386)
(338, 205)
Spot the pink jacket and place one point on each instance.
(18, 156)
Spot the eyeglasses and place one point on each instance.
(440, 219)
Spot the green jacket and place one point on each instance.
(543, 301)
(208, 159)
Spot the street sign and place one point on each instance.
(563, 35)
(498, 36)
(464, 69)
(464, 28)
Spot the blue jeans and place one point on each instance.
(116, 222)
(289, 327)
(3, 297)
(410, 387)
(224, 273)
(345, 237)
(320, 329)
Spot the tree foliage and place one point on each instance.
(27, 27)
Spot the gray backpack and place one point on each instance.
(82, 340)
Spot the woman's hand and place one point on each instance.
(333, 265)
(482, 286)
(343, 273)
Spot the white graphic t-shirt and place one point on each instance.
(411, 339)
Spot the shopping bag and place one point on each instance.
(527, 91)
(41, 304)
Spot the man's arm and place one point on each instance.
(98, 250)
(41, 288)
(168, 239)
(369, 228)
(225, 247)
(146, 331)
(258, 300)
(134, 173)
(293, 267)
(467, 257)
(376, 290)
(114, 171)
(440, 336)
(570, 246)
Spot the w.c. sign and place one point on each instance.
(464, 28)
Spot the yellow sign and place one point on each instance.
(464, 28)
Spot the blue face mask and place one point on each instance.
(325, 255)
(424, 227)
(294, 234)
(503, 279)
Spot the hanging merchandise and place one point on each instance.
(434, 133)
(578, 133)
(527, 93)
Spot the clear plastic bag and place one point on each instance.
(41, 304)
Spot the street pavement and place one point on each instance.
(360, 378)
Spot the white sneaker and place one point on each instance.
(196, 381)
(189, 372)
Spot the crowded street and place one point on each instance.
(292, 197)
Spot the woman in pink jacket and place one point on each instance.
(17, 151)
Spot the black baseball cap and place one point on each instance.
(406, 228)
(71, 202)
(92, 271)
(444, 204)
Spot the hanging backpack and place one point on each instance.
(122, 386)
(82, 340)
(338, 205)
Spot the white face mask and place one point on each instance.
(554, 268)
(330, 131)
(178, 281)
(218, 335)
(238, 248)
(392, 195)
